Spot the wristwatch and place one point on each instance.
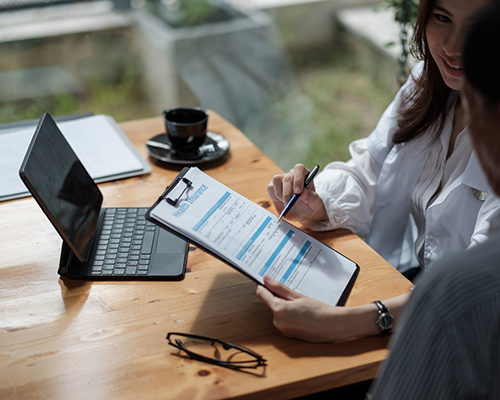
(385, 318)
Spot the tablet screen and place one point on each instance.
(62, 186)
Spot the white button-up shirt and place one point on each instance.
(411, 204)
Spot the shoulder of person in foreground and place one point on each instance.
(449, 331)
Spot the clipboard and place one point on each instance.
(253, 241)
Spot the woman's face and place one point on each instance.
(446, 30)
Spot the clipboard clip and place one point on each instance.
(174, 201)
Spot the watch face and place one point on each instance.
(385, 320)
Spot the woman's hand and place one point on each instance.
(301, 317)
(309, 207)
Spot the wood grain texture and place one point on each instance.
(106, 340)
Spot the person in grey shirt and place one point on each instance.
(447, 345)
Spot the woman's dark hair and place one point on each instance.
(428, 102)
(481, 56)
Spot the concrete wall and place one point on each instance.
(306, 24)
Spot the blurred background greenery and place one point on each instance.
(340, 93)
(347, 103)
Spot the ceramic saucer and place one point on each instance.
(215, 147)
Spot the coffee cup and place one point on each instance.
(186, 129)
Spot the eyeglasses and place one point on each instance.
(234, 356)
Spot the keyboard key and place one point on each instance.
(131, 270)
(147, 244)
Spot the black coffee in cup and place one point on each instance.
(186, 129)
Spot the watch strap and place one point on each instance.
(381, 306)
(385, 318)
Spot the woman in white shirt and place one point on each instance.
(414, 188)
(413, 201)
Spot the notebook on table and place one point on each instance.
(98, 243)
(103, 148)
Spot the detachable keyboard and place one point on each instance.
(125, 244)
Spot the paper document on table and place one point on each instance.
(102, 147)
(250, 238)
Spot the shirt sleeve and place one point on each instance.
(488, 220)
(348, 189)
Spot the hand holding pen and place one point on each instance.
(308, 179)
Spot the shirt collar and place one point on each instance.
(474, 176)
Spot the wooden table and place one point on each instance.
(106, 340)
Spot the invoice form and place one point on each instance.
(251, 239)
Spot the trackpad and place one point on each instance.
(168, 243)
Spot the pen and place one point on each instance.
(309, 178)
